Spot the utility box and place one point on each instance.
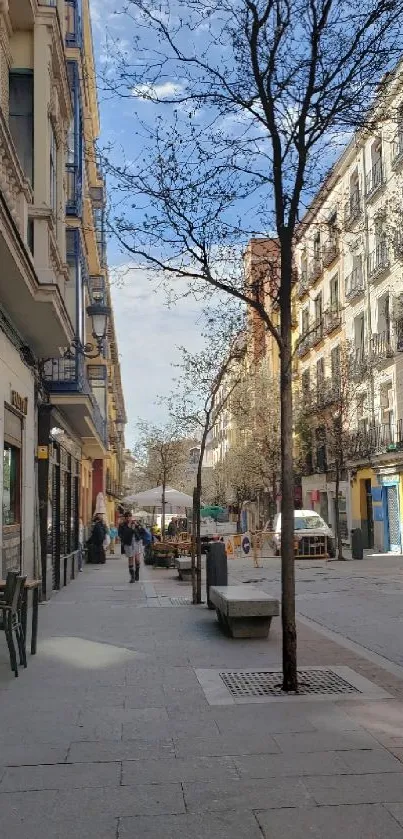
(357, 545)
(216, 568)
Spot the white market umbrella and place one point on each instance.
(142, 514)
(153, 498)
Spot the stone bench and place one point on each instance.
(184, 566)
(244, 611)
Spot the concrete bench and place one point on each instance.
(244, 611)
(184, 566)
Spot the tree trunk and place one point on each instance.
(197, 504)
(290, 679)
(193, 554)
(339, 543)
(197, 500)
(163, 510)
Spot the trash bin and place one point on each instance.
(357, 545)
(216, 568)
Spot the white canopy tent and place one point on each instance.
(153, 498)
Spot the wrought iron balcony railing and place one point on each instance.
(315, 269)
(352, 208)
(374, 179)
(303, 284)
(332, 319)
(378, 261)
(316, 332)
(330, 252)
(354, 284)
(64, 375)
(376, 439)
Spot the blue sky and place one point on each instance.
(148, 330)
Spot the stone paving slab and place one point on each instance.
(88, 752)
(60, 776)
(315, 763)
(237, 825)
(246, 795)
(356, 789)
(178, 769)
(349, 822)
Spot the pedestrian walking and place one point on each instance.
(96, 540)
(126, 536)
(137, 544)
(80, 545)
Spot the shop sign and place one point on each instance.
(388, 479)
(19, 402)
(43, 452)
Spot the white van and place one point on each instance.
(307, 523)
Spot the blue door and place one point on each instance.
(392, 518)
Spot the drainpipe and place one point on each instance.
(367, 290)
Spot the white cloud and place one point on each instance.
(156, 92)
(148, 335)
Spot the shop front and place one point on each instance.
(17, 433)
(59, 465)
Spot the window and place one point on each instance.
(21, 85)
(334, 293)
(320, 375)
(305, 321)
(318, 308)
(316, 246)
(11, 484)
(335, 364)
(53, 170)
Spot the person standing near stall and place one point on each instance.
(126, 536)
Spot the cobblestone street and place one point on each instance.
(109, 733)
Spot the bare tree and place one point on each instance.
(205, 386)
(162, 453)
(254, 93)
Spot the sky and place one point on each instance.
(148, 331)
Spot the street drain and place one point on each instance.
(180, 601)
(269, 683)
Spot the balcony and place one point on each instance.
(69, 388)
(315, 269)
(316, 332)
(359, 362)
(378, 262)
(332, 319)
(376, 439)
(354, 284)
(303, 284)
(374, 179)
(352, 209)
(303, 345)
(397, 149)
(330, 252)
(382, 346)
(113, 488)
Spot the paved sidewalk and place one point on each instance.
(108, 734)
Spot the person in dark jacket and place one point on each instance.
(126, 536)
(96, 540)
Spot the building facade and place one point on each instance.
(63, 414)
(350, 294)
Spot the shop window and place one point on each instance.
(11, 484)
(21, 119)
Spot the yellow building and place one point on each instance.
(63, 419)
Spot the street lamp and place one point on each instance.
(99, 314)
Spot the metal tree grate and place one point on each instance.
(269, 683)
(180, 601)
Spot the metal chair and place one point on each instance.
(11, 607)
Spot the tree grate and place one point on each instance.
(269, 683)
(180, 601)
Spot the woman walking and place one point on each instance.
(96, 540)
(126, 536)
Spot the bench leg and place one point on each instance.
(249, 627)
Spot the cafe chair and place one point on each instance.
(11, 607)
